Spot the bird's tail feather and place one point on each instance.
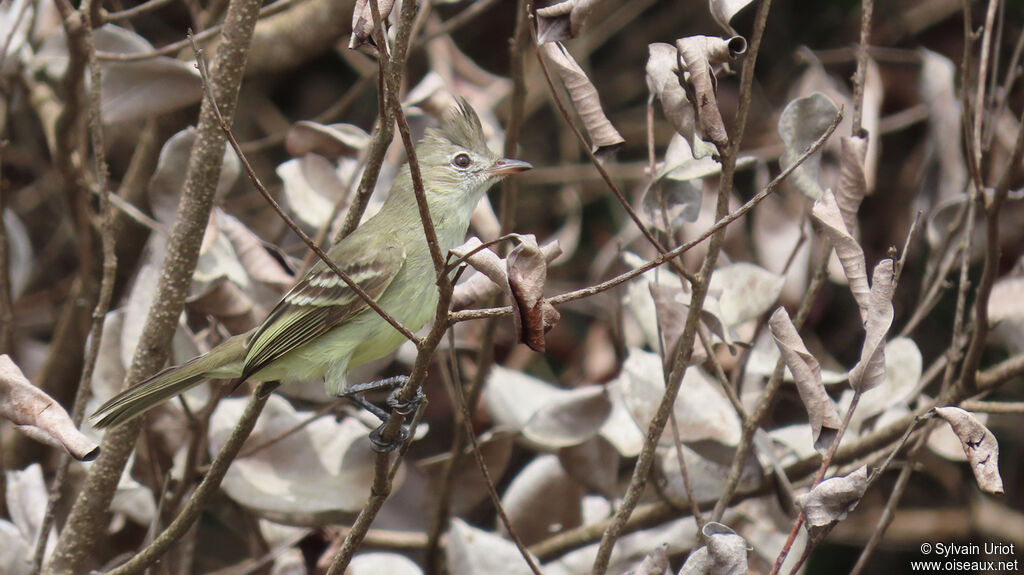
(166, 384)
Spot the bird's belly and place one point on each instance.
(360, 340)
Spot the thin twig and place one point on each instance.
(204, 73)
(175, 47)
(129, 13)
(206, 489)
(647, 266)
(106, 215)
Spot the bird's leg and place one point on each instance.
(403, 407)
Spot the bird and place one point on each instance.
(323, 328)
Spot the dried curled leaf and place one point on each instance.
(698, 55)
(807, 374)
(655, 563)
(980, 447)
(38, 415)
(563, 21)
(532, 315)
(663, 82)
(362, 24)
(827, 213)
(831, 500)
(870, 370)
(801, 124)
(724, 10)
(852, 182)
(603, 136)
(724, 554)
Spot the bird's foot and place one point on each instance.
(402, 407)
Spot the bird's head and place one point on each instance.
(456, 160)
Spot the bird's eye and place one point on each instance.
(461, 160)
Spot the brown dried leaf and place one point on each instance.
(870, 370)
(807, 374)
(827, 213)
(362, 24)
(38, 416)
(532, 315)
(330, 141)
(852, 185)
(980, 447)
(801, 124)
(603, 136)
(831, 500)
(563, 21)
(698, 55)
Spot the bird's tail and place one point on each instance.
(222, 362)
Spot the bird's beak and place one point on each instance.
(505, 166)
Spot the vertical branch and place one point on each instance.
(509, 192)
(643, 465)
(90, 11)
(516, 69)
(867, 7)
(979, 98)
(75, 548)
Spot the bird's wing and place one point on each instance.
(322, 300)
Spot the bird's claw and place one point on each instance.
(382, 446)
(405, 407)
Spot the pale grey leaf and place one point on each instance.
(473, 551)
(831, 500)
(979, 445)
(312, 477)
(311, 188)
(801, 124)
(571, 419)
(542, 499)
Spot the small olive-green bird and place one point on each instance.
(321, 327)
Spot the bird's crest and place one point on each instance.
(462, 127)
